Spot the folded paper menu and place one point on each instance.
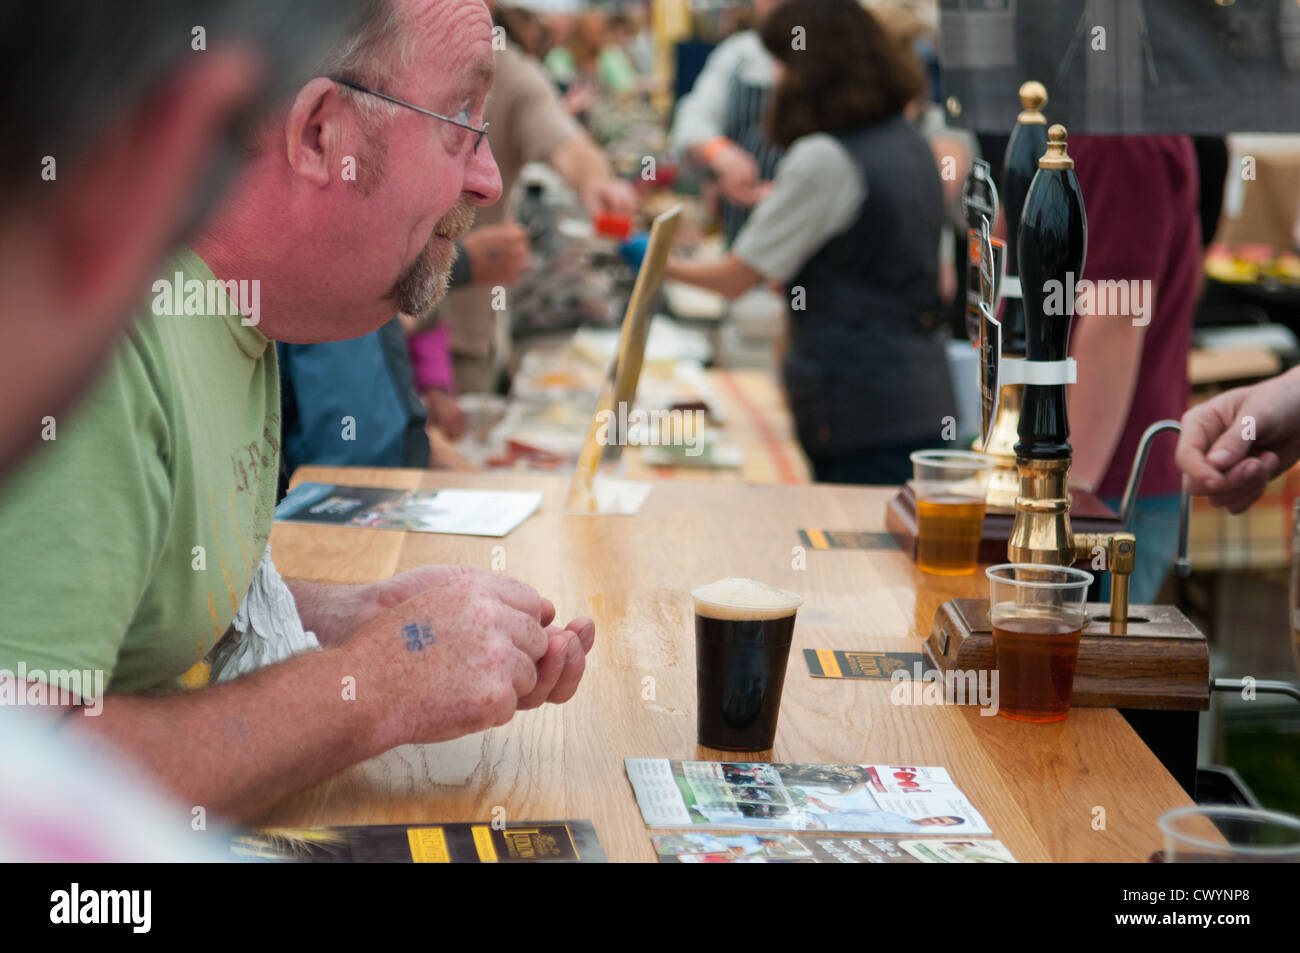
(866, 798)
(461, 512)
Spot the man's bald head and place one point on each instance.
(350, 210)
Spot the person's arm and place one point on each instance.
(729, 276)
(697, 131)
(816, 194)
(404, 677)
(1108, 351)
(497, 254)
(541, 130)
(586, 170)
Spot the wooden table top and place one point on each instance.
(1038, 786)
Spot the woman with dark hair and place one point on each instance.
(851, 226)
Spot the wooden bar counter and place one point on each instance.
(1083, 789)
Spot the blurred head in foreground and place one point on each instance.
(116, 120)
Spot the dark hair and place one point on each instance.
(842, 70)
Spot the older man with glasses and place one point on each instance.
(132, 540)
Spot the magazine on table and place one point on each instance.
(855, 798)
(460, 512)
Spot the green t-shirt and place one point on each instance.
(129, 540)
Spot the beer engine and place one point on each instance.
(1028, 141)
(980, 202)
(1130, 657)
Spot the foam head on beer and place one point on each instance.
(743, 600)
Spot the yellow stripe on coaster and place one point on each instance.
(818, 539)
(487, 851)
(428, 845)
(830, 667)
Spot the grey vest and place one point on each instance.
(864, 369)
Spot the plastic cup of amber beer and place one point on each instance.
(1038, 613)
(743, 631)
(950, 487)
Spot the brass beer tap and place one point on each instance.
(1052, 244)
(1027, 143)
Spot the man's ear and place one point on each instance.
(120, 206)
(313, 132)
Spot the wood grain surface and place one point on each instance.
(1083, 789)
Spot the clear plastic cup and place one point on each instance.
(1038, 613)
(1223, 834)
(950, 487)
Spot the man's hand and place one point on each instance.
(443, 454)
(737, 174)
(463, 654)
(613, 196)
(498, 254)
(1233, 444)
(445, 412)
(336, 612)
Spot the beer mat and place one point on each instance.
(802, 798)
(846, 539)
(836, 663)
(516, 842)
(720, 847)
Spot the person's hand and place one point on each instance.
(613, 196)
(498, 254)
(463, 653)
(445, 412)
(443, 454)
(737, 174)
(1233, 444)
(579, 98)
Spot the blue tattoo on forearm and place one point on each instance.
(417, 636)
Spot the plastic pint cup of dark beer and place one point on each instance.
(743, 631)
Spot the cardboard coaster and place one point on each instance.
(836, 663)
(846, 539)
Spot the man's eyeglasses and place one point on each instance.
(481, 131)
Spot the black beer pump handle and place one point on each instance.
(1027, 143)
(1052, 246)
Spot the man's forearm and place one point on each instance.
(239, 747)
(580, 163)
(330, 611)
(727, 276)
(1108, 350)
